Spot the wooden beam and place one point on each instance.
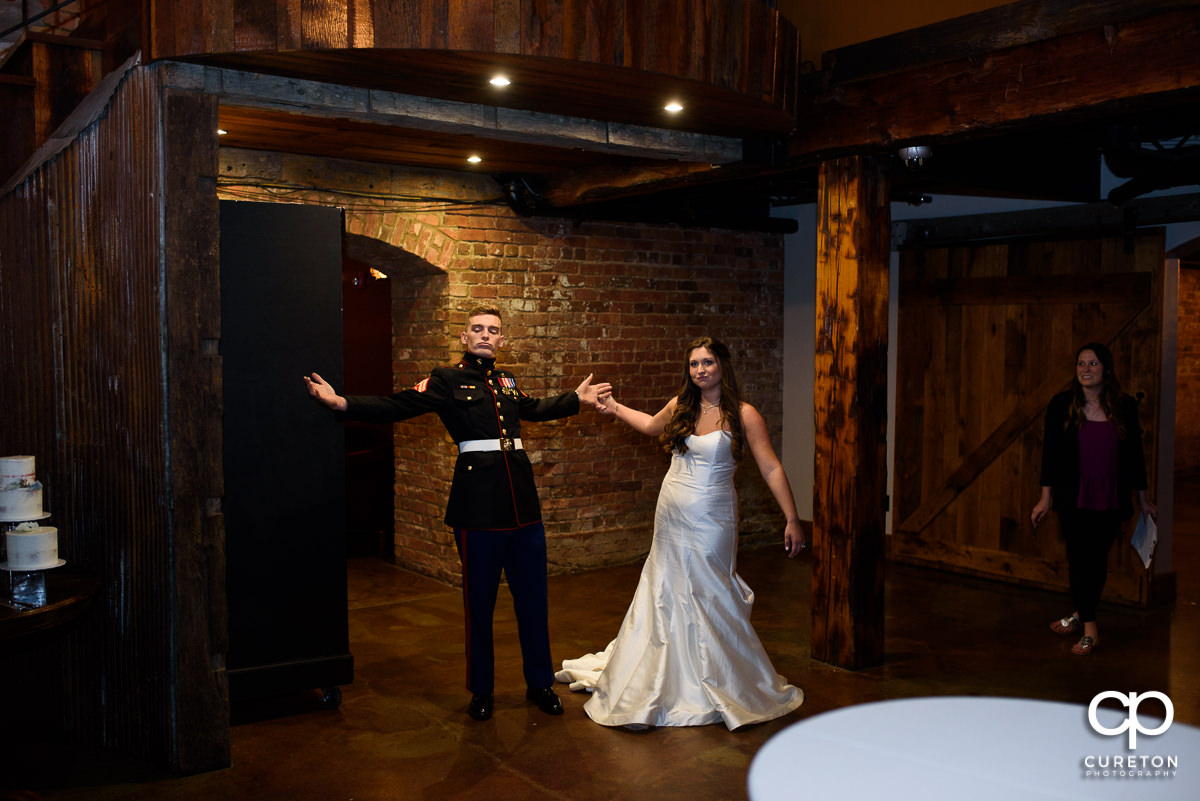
(851, 413)
(193, 383)
(1025, 289)
(608, 183)
(1088, 219)
(611, 182)
(288, 172)
(1138, 65)
(1009, 25)
(391, 114)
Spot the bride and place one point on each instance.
(686, 653)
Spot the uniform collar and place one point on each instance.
(478, 362)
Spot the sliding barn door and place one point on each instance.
(987, 334)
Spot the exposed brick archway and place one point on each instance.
(421, 235)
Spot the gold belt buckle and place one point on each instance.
(506, 444)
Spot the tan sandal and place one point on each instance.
(1068, 625)
(1084, 646)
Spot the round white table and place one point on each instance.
(981, 749)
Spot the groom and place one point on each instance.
(493, 505)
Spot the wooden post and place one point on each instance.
(850, 487)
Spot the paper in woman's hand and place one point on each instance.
(1145, 537)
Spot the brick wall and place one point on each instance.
(618, 300)
(1187, 390)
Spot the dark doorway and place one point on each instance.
(367, 353)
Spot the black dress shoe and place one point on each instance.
(545, 699)
(481, 707)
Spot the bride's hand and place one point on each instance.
(606, 403)
(793, 539)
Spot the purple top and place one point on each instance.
(1098, 442)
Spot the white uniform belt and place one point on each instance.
(502, 444)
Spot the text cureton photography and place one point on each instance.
(1113, 722)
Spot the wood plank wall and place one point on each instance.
(115, 399)
(44, 78)
(988, 335)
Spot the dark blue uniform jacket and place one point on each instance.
(492, 489)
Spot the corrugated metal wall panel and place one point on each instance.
(81, 298)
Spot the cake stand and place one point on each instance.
(27, 585)
(24, 519)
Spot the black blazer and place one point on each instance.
(491, 489)
(1060, 455)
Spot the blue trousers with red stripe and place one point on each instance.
(519, 553)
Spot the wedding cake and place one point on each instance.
(20, 491)
(30, 546)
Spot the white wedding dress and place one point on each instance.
(686, 654)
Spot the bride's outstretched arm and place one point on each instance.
(772, 472)
(639, 421)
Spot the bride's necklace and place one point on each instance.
(705, 408)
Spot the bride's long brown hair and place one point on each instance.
(687, 406)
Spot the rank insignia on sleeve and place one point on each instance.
(422, 385)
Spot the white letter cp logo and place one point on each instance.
(1131, 722)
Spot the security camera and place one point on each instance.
(914, 156)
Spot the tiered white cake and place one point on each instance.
(20, 491)
(30, 546)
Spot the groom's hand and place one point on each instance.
(589, 393)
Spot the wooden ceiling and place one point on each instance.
(583, 118)
(364, 140)
(560, 87)
(1015, 101)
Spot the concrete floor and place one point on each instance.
(402, 731)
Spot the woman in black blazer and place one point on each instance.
(1092, 465)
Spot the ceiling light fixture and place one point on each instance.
(674, 107)
(221, 132)
(500, 81)
(474, 159)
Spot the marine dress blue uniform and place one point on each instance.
(493, 505)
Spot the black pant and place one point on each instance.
(1089, 534)
(519, 553)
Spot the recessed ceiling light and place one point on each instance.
(674, 107)
(499, 80)
(474, 159)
